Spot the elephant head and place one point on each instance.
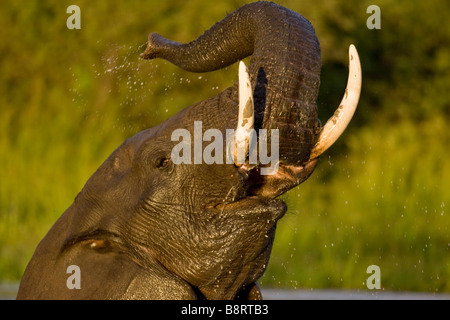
(147, 225)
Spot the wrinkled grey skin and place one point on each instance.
(145, 228)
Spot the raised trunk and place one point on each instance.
(285, 67)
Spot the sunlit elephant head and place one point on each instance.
(188, 209)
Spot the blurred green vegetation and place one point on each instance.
(68, 98)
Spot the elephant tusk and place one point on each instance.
(245, 127)
(336, 125)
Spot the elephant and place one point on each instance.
(145, 226)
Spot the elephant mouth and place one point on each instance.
(271, 186)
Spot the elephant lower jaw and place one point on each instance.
(245, 234)
(286, 178)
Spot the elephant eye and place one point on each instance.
(162, 162)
